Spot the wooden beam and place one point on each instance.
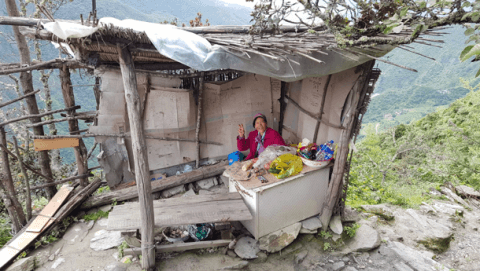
(19, 98)
(180, 247)
(142, 172)
(38, 115)
(283, 92)
(325, 88)
(19, 21)
(157, 186)
(58, 143)
(128, 135)
(61, 181)
(312, 115)
(52, 121)
(51, 64)
(199, 118)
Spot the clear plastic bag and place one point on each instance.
(271, 153)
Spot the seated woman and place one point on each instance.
(259, 139)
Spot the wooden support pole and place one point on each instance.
(342, 149)
(4, 148)
(69, 100)
(38, 115)
(283, 106)
(51, 64)
(142, 171)
(28, 196)
(312, 115)
(325, 88)
(199, 117)
(7, 183)
(54, 121)
(19, 98)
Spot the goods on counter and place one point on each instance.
(272, 152)
(286, 165)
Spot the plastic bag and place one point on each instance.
(286, 165)
(200, 232)
(271, 153)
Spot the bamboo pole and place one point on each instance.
(38, 115)
(142, 172)
(19, 98)
(28, 201)
(315, 135)
(127, 135)
(51, 64)
(4, 148)
(199, 118)
(53, 121)
(82, 176)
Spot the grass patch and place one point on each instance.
(95, 216)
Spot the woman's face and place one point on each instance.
(260, 125)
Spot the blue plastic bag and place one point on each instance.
(235, 156)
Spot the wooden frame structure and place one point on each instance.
(133, 53)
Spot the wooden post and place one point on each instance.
(342, 149)
(142, 171)
(16, 211)
(69, 100)
(283, 106)
(199, 117)
(28, 196)
(27, 86)
(321, 108)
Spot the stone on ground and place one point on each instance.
(24, 264)
(365, 239)
(207, 183)
(189, 193)
(277, 240)
(127, 259)
(336, 224)
(453, 196)
(350, 268)
(247, 248)
(299, 257)
(380, 210)
(237, 266)
(104, 239)
(446, 208)
(415, 259)
(350, 215)
(467, 191)
(173, 191)
(116, 267)
(106, 208)
(57, 263)
(338, 265)
(262, 257)
(312, 223)
(76, 233)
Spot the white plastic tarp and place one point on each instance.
(196, 52)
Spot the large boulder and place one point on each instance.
(277, 240)
(450, 194)
(467, 191)
(415, 259)
(380, 210)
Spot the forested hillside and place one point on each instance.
(403, 96)
(401, 164)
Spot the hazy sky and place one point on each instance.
(240, 2)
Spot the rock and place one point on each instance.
(76, 233)
(207, 183)
(452, 195)
(335, 237)
(277, 240)
(106, 208)
(189, 193)
(467, 191)
(401, 266)
(291, 249)
(349, 268)
(379, 210)
(446, 208)
(116, 267)
(336, 224)
(103, 240)
(173, 191)
(237, 266)
(365, 239)
(312, 223)
(24, 264)
(231, 254)
(52, 257)
(247, 248)
(261, 257)
(338, 265)
(127, 259)
(205, 192)
(414, 259)
(350, 215)
(299, 257)
(219, 189)
(305, 231)
(58, 262)
(115, 255)
(434, 192)
(103, 222)
(90, 224)
(232, 244)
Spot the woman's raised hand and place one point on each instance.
(241, 130)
